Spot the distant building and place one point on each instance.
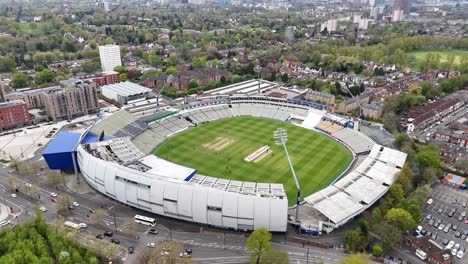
(349, 105)
(397, 15)
(182, 78)
(110, 57)
(321, 98)
(105, 78)
(373, 110)
(435, 254)
(456, 137)
(2, 93)
(13, 113)
(418, 118)
(105, 5)
(71, 102)
(33, 98)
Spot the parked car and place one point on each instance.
(71, 207)
(446, 229)
(131, 250)
(429, 217)
(464, 204)
(460, 218)
(423, 232)
(13, 195)
(100, 236)
(108, 233)
(43, 209)
(92, 211)
(115, 241)
(457, 234)
(76, 204)
(441, 211)
(53, 194)
(83, 225)
(455, 227)
(431, 222)
(445, 242)
(430, 201)
(441, 227)
(151, 245)
(434, 236)
(450, 245)
(153, 231)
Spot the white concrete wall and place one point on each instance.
(183, 200)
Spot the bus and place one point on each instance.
(145, 220)
(72, 225)
(421, 254)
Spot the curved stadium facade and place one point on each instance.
(124, 169)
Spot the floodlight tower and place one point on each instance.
(361, 110)
(168, 82)
(258, 70)
(281, 137)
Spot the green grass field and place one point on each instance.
(317, 159)
(421, 55)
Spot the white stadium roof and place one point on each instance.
(389, 155)
(126, 88)
(166, 168)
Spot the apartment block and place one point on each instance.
(13, 113)
(71, 102)
(110, 57)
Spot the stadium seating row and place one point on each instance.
(356, 191)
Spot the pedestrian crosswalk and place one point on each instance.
(213, 245)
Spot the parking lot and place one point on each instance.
(447, 199)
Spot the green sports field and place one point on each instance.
(218, 149)
(420, 55)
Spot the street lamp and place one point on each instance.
(281, 137)
(258, 69)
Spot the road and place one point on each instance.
(209, 245)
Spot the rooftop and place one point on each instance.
(126, 88)
(10, 103)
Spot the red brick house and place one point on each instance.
(435, 254)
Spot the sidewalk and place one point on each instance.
(4, 212)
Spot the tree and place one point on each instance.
(356, 259)
(45, 76)
(130, 226)
(167, 252)
(19, 80)
(11, 182)
(170, 70)
(258, 244)
(120, 69)
(390, 121)
(7, 64)
(192, 84)
(353, 239)
(63, 201)
(90, 67)
(377, 251)
(123, 77)
(405, 178)
(110, 250)
(199, 62)
(98, 216)
(391, 236)
(428, 157)
(364, 227)
(276, 256)
(284, 77)
(401, 219)
(223, 79)
(397, 194)
(53, 177)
